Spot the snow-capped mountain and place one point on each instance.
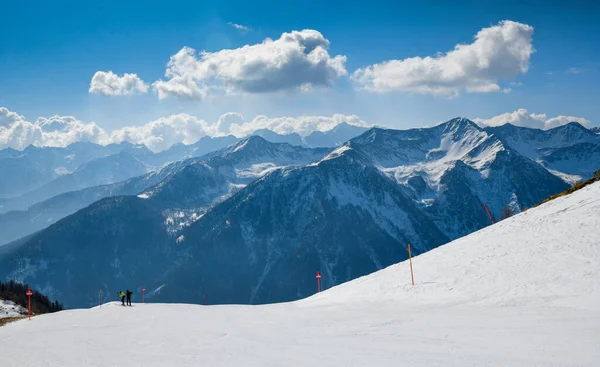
(454, 168)
(337, 136)
(571, 151)
(180, 151)
(292, 139)
(236, 167)
(254, 157)
(23, 171)
(19, 223)
(422, 186)
(348, 212)
(101, 171)
(595, 130)
(186, 194)
(340, 215)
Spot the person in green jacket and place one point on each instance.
(122, 295)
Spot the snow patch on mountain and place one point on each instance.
(11, 309)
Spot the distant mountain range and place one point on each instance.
(252, 222)
(34, 167)
(38, 173)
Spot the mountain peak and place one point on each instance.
(460, 123)
(575, 125)
(572, 130)
(250, 142)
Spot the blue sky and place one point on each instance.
(49, 52)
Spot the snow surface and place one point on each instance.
(11, 309)
(524, 292)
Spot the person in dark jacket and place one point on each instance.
(129, 293)
(122, 295)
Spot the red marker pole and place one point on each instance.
(143, 291)
(411, 270)
(29, 294)
(318, 276)
(488, 213)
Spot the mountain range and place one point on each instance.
(244, 222)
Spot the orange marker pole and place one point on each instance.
(411, 270)
(488, 212)
(29, 294)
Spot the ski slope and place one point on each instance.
(524, 292)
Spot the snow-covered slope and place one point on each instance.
(524, 292)
(548, 257)
(10, 309)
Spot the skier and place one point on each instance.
(122, 295)
(129, 297)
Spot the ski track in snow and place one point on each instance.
(525, 292)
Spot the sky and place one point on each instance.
(164, 72)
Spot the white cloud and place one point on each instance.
(180, 86)
(302, 125)
(498, 52)
(160, 134)
(297, 60)
(239, 27)
(227, 120)
(7, 118)
(110, 84)
(577, 70)
(18, 133)
(522, 117)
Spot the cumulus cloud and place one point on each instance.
(228, 119)
(110, 84)
(498, 52)
(522, 117)
(7, 118)
(160, 134)
(16, 132)
(302, 125)
(297, 60)
(239, 27)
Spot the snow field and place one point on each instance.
(525, 292)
